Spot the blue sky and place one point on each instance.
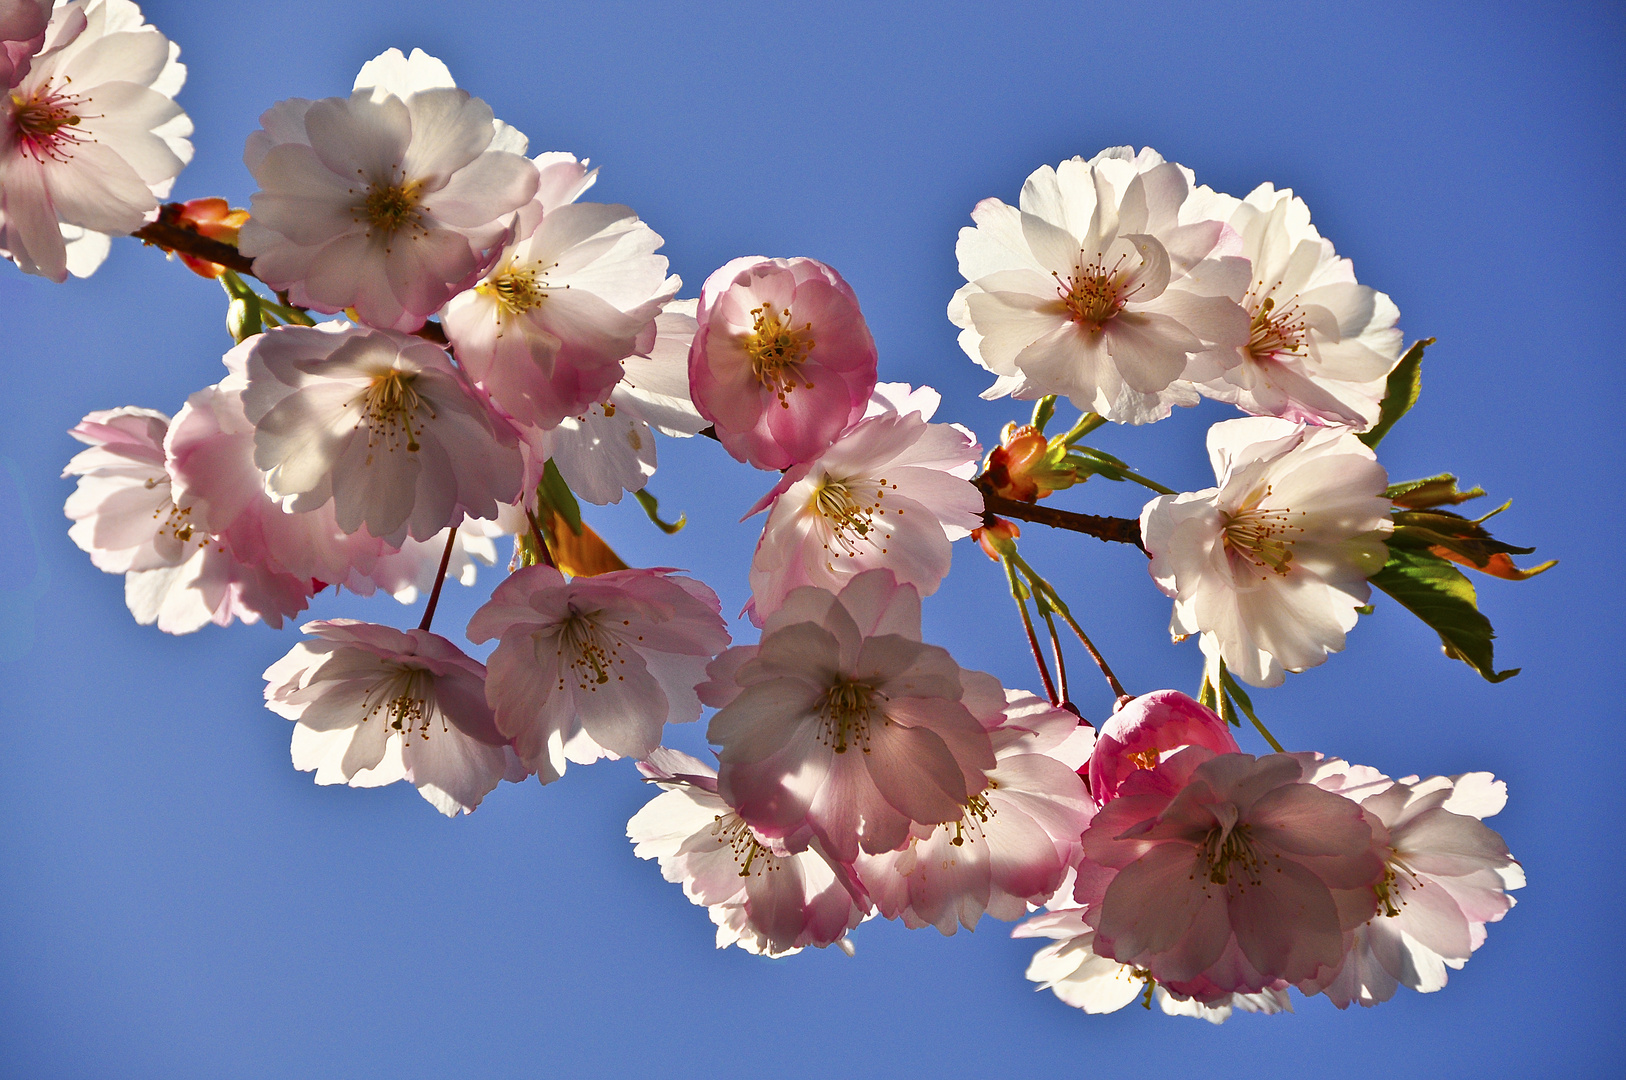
(178, 902)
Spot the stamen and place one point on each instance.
(846, 712)
(518, 287)
(1275, 333)
(977, 812)
(1262, 538)
(588, 652)
(1231, 847)
(389, 405)
(853, 518)
(1094, 294)
(777, 350)
(46, 123)
(731, 830)
(392, 207)
(404, 699)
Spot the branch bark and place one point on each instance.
(1114, 529)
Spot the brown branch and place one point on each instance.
(169, 234)
(1116, 529)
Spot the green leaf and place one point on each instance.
(1405, 383)
(1043, 410)
(1233, 689)
(1437, 592)
(652, 507)
(1431, 491)
(556, 493)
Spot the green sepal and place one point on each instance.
(652, 507)
(1043, 410)
(1405, 383)
(1437, 592)
(1430, 491)
(554, 492)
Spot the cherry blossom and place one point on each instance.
(176, 573)
(1016, 839)
(840, 725)
(1227, 873)
(387, 202)
(546, 330)
(1446, 876)
(1142, 731)
(90, 135)
(892, 492)
(1271, 565)
(782, 360)
(1320, 346)
(594, 667)
(379, 423)
(1100, 286)
(373, 705)
(762, 899)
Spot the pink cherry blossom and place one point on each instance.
(1101, 286)
(1142, 731)
(1446, 876)
(1015, 841)
(90, 135)
(1070, 968)
(842, 726)
(176, 573)
(1227, 873)
(379, 423)
(782, 361)
(373, 705)
(388, 202)
(1271, 564)
(892, 492)
(546, 330)
(763, 899)
(1320, 346)
(595, 667)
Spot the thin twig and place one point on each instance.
(440, 579)
(1033, 639)
(1067, 617)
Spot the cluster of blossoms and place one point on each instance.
(508, 349)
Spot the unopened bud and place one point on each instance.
(215, 219)
(998, 540)
(1026, 466)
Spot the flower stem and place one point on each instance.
(541, 540)
(1240, 696)
(440, 579)
(1055, 646)
(1050, 594)
(1033, 639)
(1086, 424)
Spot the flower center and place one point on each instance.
(977, 812)
(392, 207)
(45, 123)
(1228, 850)
(1146, 759)
(517, 288)
(590, 654)
(852, 516)
(731, 830)
(1262, 538)
(777, 350)
(846, 713)
(1094, 294)
(1391, 896)
(389, 405)
(403, 698)
(1273, 333)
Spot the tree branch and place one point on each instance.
(1114, 529)
(169, 234)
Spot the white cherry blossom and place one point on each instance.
(373, 705)
(892, 492)
(841, 726)
(596, 666)
(1101, 286)
(387, 202)
(763, 899)
(90, 135)
(379, 423)
(1320, 345)
(1270, 565)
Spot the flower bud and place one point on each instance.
(998, 539)
(1025, 466)
(215, 219)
